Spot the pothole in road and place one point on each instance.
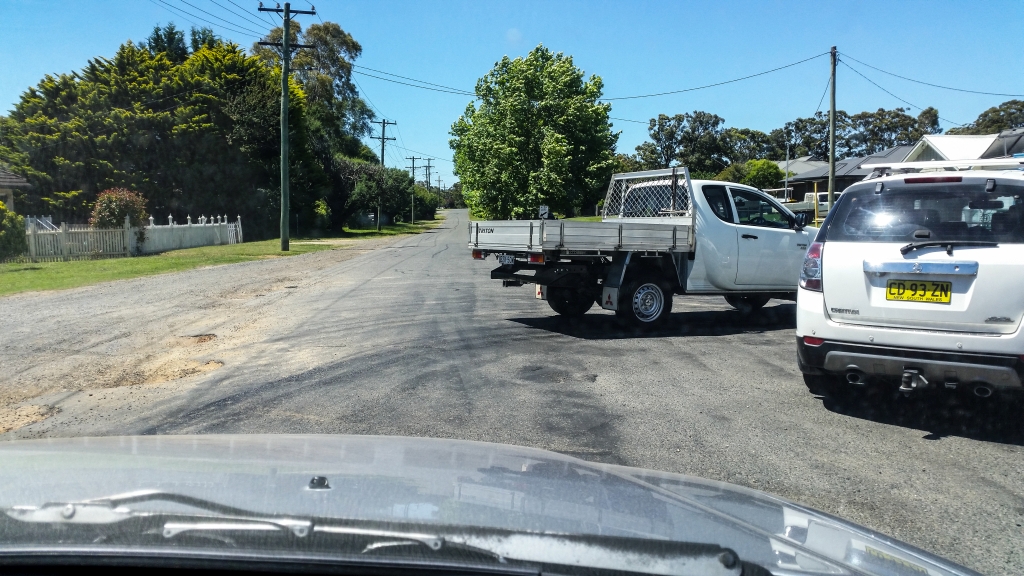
(178, 370)
(14, 418)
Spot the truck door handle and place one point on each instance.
(751, 236)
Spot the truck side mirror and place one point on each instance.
(801, 221)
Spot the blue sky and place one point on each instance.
(636, 47)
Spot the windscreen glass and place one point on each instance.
(921, 212)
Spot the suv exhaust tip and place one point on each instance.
(982, 391)
(856, 377)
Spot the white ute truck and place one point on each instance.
(661, 234)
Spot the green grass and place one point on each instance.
(586, 218)
(22, 277)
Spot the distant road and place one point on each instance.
(411, 337)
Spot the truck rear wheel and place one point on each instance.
(569, 302)
(747, 304)
(644, 302)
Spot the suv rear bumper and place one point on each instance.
(938, 367)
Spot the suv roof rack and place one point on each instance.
(880, 169)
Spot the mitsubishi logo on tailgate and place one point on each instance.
(917, 267)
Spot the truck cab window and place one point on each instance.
(719, 201)
(755, 210)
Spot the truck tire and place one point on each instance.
(569, 302)
(644, 302)
(747, 304)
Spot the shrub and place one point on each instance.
(12, 233)
(113, 205)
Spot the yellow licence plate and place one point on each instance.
(918, 291)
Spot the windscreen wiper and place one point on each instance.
(949, 244)
(83, 522)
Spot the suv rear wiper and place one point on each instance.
(947, 243)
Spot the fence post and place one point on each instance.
(238, 222)
(63, 241)
(127, 237)
(32, 241)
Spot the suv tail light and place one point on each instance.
(812, 341)
(810, 273)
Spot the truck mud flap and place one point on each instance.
(617, 273)
(610, 298)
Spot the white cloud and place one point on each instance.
(513, 35)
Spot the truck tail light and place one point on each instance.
(479, 255)
(536, 258)
(812, 341)
(810, 273)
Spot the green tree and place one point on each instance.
(873, 132)
(392, 187)
(539, 136)
(695, 140)
(744, 144)
(704, 150)
(1006, 116)
(763, 174)
(12, 233)
(666, 140)
(736, 172)
(170, 42)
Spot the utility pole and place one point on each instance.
(286, 56)
(383, 138)
(427, 173)
(412, 212)
(832, 134)
(438, 195)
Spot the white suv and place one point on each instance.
(917, 280)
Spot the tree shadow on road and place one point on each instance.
(940, 413)
(696, 323)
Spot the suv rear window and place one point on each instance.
(917, 212)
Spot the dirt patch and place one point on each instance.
(181, 369)
(14, 418)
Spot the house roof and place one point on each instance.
(800, 165)
(954, 146)
(12, 180)
(851, 167)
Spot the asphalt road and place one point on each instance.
(411, 337)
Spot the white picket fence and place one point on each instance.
(80, 242)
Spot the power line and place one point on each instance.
(424, 154)
(822, 99)
(271, 20)
(175, 13)
(313, 8)
(244, 17)
(460, 93)
(413, 79)
(719, 83)
(228, 22)
(929, 83)
(628, 120)
(893, 95)
(169, 6)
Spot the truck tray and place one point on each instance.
(524, 236)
